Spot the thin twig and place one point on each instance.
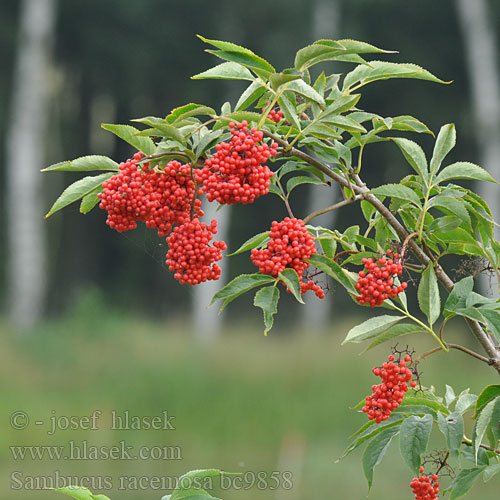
(468, 442)
(344, 252)
(454, 346)
(405, 244)
(331, 208)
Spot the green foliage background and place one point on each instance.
(236, 401)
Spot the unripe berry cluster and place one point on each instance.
(159, 199)
(376, 281)
(290, 246)
(387, 396)
(190, 256)
(425, 487)
(236, 172)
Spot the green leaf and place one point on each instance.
(423, 401)
(464, 402)
(371, 432)
(464, 481)
(371, 328)
(236, 53)
(330, 267)
(342, 122)
(240, 285)
(89, 201)
(226, 71)
(188, 110)
(414, 155)
(397, 191)
(187, 484)
(85, 164)
(207, 142)
(464, 170)
(259, 65)
(452, 427)
(250, 95)
(343, 103)
(492, 320)
(495, 420)
(291, 279)
(79, 493)
(289, 110)
(375, 451)
(487, 394)
(428, 295)
(169, 132)
(413, 439)
(451, 204)
(331, 50)
(253, 242)
(481, 425)
(450, 395)
(299, 180)
(127, 133)
(302, 88)
(410, 124)
(490, 471)
(78, 190)
(267, 299)
(382, 70)
(395, 331)
(445, 142)
(279, 79)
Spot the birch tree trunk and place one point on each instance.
(207, 323)
(484, 76)
(325, 24)
(25, 147)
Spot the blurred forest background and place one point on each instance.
(104, 322)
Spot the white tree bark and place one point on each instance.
(484, 76)
(326, 22)
(25, 149)
(206, 323)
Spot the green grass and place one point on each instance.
(244, 403)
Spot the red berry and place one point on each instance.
(290, 246)
(376, 283)
(191, 256)
(236, 172)
(387, 396)
(425, 487)
(159, 199)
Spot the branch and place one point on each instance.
(484, 359)
(331, 208)
(489, 343)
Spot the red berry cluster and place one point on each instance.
(388, 395)
(425, 487)
(235, 173)
(159, 199)
(275, 116)
(191, 256)
(290, 246)
(376, 281)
